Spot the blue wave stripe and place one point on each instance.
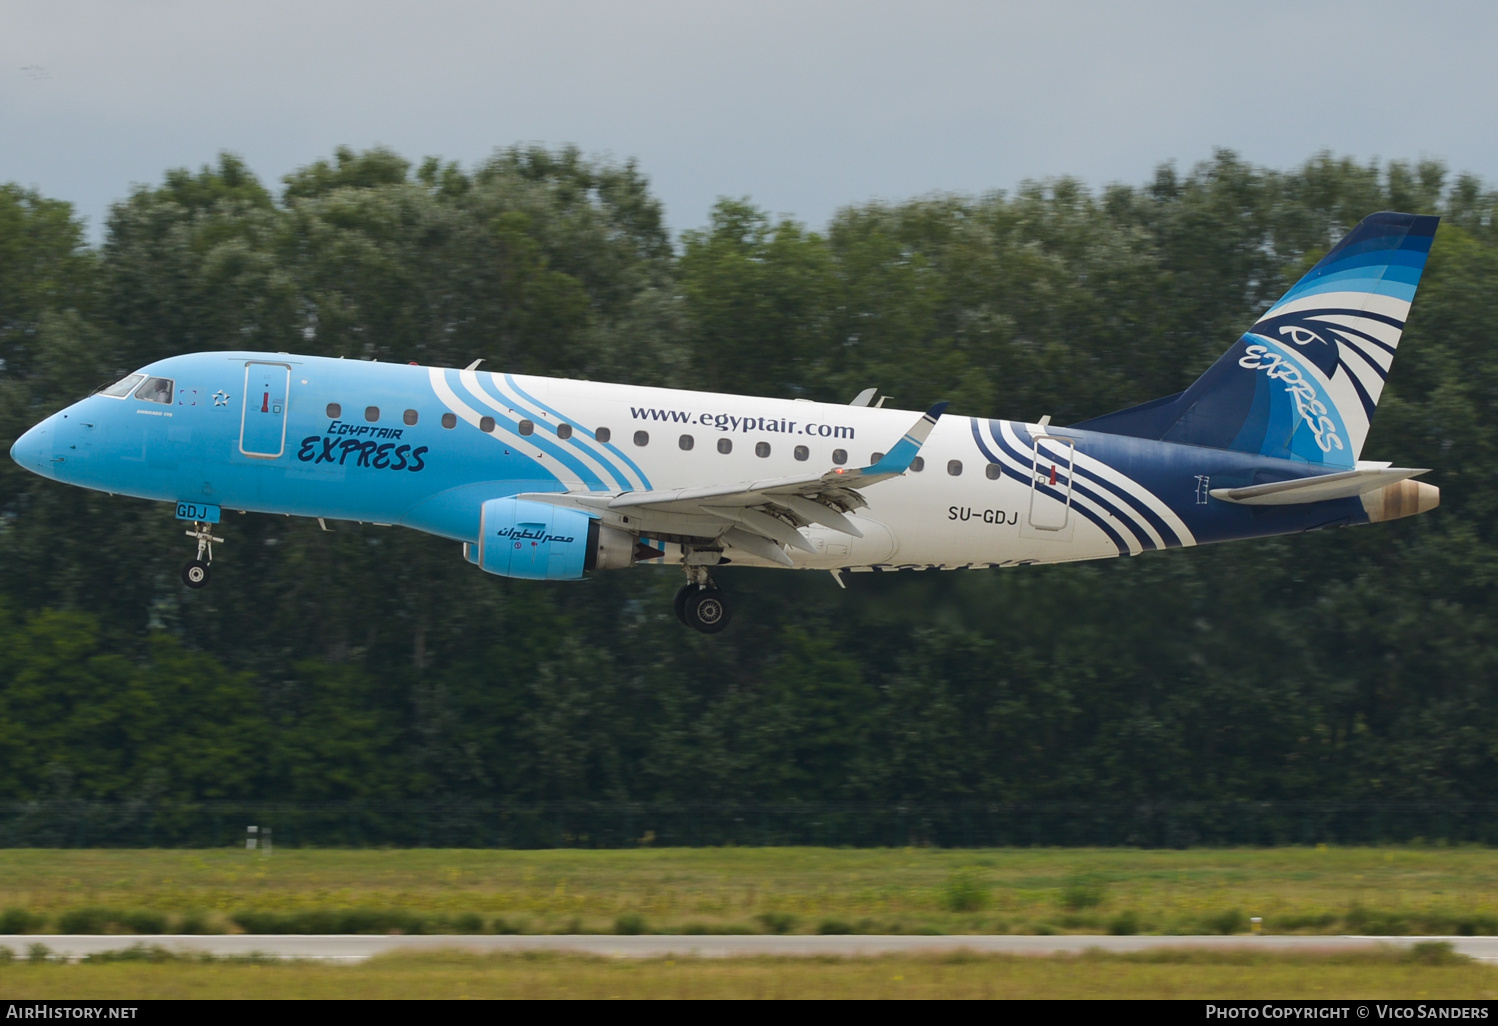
(1373, 364)
(1393, 242)
(1377, 269)
(1083, 485)
(1374, 256)
(1024, 479)
(1393, 322)
(1370, 405)
(1117, 539)
(609, 446)
(548, 444)
(530, 404)
(1355, 282)
(1361, 334)
(1136, 505)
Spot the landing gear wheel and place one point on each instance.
(195, 574)
(680, 602)
(706, 610)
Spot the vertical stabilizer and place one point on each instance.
(1303, 382)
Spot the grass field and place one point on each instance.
(1165, 974)
(751, 890)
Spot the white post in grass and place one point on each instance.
(250, 840)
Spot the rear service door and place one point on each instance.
(1050, 483)
(262, 425)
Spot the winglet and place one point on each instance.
(898, 459)
(893, 463)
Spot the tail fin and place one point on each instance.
(1303, 383)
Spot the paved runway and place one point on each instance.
(356, 948)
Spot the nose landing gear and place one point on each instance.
(700, 604)
(195, 573)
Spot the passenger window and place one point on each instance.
(642, 438)
(802, 452)
(486, 424)
(725, 445)
(334, 411)
(122, 387)
(875, 457)
(156, 390)
(686, 442)
(602, 434)
(564, 430)
(527, 428)
(409, 417)
(371, 413)
(954, 467)
(992, 472)
(761, 449)
(918, 464)
(839, 456)
(449, 420)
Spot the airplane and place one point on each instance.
(553, 479)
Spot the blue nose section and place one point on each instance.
(33, 450)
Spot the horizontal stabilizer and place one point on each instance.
(1345, 485)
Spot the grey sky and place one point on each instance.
(803, 106)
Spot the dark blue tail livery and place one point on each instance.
(1303, 382)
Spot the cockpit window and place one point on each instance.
(156, 390)
(122, 387)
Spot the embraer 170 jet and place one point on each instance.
(550, 479)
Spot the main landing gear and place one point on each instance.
(195, 573)
(700, 604)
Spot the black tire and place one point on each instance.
(679, 603)
(195, 574)
(707, 610)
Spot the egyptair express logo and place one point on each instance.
(1313, 412)
(372, 454)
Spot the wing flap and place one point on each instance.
(818, 513)
(756, 545)
(763, 524)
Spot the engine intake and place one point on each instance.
(537, 541)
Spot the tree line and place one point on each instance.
(374, 664)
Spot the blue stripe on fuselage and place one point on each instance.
(1123, 547)
(547, 443)
(607, 446)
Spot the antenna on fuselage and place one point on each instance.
(475, 364)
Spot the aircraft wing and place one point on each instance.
(759, 517)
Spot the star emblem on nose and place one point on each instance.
(221, 398)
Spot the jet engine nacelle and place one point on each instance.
(538, 541)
